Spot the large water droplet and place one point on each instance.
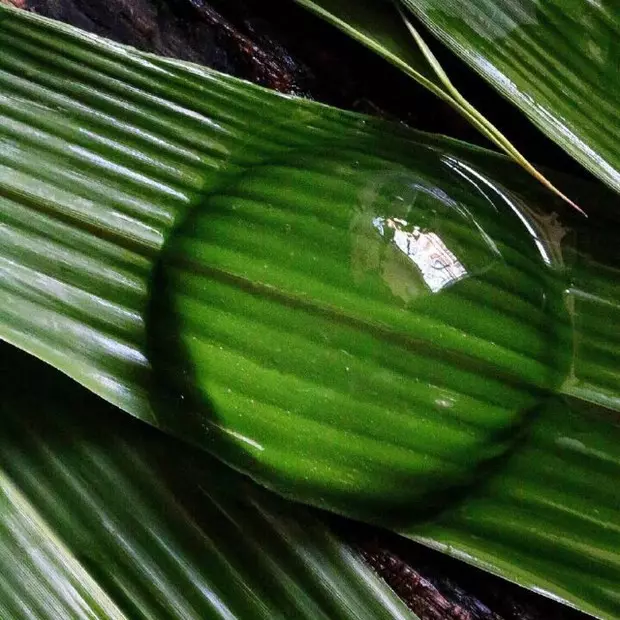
(358, 333)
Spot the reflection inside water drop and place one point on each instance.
(438, 266)
(413, 236)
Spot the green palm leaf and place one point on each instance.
(294, 275)
(282, 219)
(105, 518)
(556, 60)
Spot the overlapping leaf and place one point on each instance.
(380, 26)
(104, 150)
(557, 60)
(105, 518)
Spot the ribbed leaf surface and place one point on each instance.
(358, 304)
(361, 266)
(105, 518)
(562, 479)
(305, 311)
(557, 60)
(93, 178)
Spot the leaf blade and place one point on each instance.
(103, 518)
(200, 118)
(521, 49)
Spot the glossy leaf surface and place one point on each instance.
(105, 518)
(354, 266)
(563, 477)
(105, 151)
(557, 60)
